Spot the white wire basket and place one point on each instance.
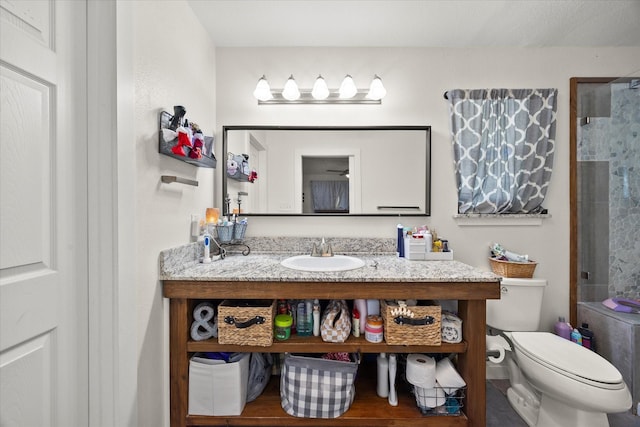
(435, 401)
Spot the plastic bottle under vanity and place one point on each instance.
(309, 310)
(383, 375)
(563, 329)
(316, 317)
(304, 318)
(373, 307)
(393, 368)
(355, 322)
(361, 305)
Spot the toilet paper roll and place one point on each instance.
(421, 370)
(496, 343)
(448, 377)
(429, 398)
(451, 328)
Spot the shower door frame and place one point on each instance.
(574, 274)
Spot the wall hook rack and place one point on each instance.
(168, 179)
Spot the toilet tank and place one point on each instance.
(518, 308)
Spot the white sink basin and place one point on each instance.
(314, 263)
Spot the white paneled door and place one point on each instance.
(43, 238)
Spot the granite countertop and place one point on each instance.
(183, 263)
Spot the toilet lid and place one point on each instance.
(567, 358)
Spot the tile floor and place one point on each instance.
(500, 413)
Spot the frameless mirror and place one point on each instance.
(295, 170)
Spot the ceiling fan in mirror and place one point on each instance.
(343, 172)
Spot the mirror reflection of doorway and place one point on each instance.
(325, 182)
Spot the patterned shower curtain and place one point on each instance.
(503, 142)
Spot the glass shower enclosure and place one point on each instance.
(606, 191)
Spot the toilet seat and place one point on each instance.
(568, 359)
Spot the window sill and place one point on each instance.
(500, 220)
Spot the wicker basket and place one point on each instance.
(422, 329)
(246, 322)
(516, 270)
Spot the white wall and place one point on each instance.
(174, 65)
(416, 79)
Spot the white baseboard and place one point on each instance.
(497, 371)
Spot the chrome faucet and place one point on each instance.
(325, 249)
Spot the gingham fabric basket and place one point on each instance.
(317, 388)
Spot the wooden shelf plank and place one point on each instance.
(330, 290)
(298, 344)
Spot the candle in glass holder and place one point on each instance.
(213, 214)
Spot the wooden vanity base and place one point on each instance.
(367, 409)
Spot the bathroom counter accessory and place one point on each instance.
(262, 277)
(231, 235)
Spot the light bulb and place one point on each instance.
(348, 88)
(320, 89)
(263, 91)
(290, 91)
(376, 90)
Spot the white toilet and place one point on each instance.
(554, 382)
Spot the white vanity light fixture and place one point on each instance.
(291, 91)
(348, 88)
(320, 89)
(376, 90)
(263, 91)
(320, 94)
